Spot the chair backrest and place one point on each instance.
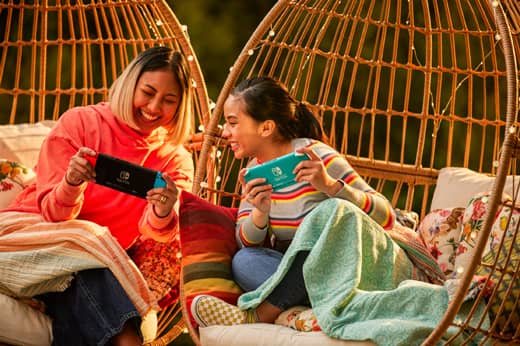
(58, 54)
(403, 89)
(55, 55)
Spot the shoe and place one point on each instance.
(209, 311)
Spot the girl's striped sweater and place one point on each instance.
(291, 204)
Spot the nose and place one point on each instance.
(225, 132)
(155, 104)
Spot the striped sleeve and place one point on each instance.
(247, 233)
(355, 189)
(371, 202)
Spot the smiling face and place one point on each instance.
(156, 99)
(244, 134)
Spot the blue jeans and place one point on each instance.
(91, 311)
(251, 266)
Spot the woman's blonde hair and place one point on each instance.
(121, 93)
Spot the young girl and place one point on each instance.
(264, 122)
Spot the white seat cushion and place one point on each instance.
(22, 142)
(20, 324)
(264, 334)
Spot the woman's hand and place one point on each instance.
(80, 169)
(163, 198)
(314, 172)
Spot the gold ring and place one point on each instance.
(163, 199)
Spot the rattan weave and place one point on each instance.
(403, 88)
(56, 54)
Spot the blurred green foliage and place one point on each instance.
(218, 30)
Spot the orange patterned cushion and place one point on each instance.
(207, 236)
(160, 265)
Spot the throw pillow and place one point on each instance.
(440, 230)
(207, 236)
(505, 223)
(457, 185)
(504, 309)
(472, 223)
(301, 318)
(14, 177)
(160, 264)
(22, 142)
(407, 218)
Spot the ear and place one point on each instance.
(267, 128)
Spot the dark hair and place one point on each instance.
(268, 99)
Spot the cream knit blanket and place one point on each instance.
(38, 256)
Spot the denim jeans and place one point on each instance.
(251, 266)
(91, 311)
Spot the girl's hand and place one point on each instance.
(163, 198)
(256, 192)
(314, 172)
(80, 169)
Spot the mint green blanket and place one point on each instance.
(358, 279)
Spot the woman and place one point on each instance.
(264, 122)
(146, 120)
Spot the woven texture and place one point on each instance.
(58, 54)
(403, 89)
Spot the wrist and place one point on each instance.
(260, 221)
(159, 216)
(335, 187)
(73, 183)
(261, 227)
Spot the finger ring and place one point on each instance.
(163, 199)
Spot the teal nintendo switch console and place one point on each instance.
(277, 172)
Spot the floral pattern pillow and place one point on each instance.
(300, 318)
(14, 177)
(472, 223)
(505, 223)
(440, 231)
(503, 309)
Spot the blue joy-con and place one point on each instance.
(159, 181)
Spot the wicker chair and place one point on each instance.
(59, 54)
(403, 88)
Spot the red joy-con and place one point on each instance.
(91, 159)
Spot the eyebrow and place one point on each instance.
(151, 87)
(230, 116)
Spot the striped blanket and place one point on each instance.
(38, 257)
